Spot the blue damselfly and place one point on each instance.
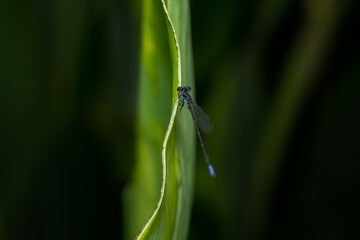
(200, 118)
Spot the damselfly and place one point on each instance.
(200, 118)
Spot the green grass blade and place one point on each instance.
(166, 151)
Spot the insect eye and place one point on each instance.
(178, 89)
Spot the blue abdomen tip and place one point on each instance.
(211, 171)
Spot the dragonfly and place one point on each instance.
(200, 118)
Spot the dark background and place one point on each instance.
(286, 155)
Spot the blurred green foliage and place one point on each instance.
(67, 100)
(278, 78)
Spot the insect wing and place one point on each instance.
(202, 119)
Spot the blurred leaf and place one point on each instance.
(298, 76)
(161, 68)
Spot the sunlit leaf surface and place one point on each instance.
(158, 200)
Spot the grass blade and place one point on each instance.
(161, 72)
